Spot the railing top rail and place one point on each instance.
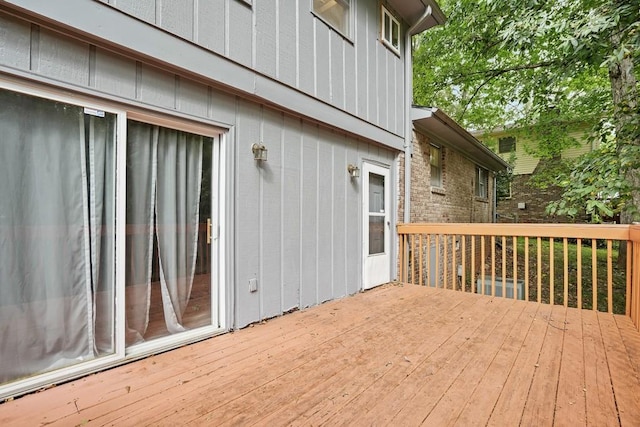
(582, 231)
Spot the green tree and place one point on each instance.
(541, 66)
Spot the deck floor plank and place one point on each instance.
(626, 386)
(600, 403)
(480, 405)
(398, 355)
(570, 399)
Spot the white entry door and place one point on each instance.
(377, 225)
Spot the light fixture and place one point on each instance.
(354, 171)
(259, 152)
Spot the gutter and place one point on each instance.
(408, 134)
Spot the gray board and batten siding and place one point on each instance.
(294, 222)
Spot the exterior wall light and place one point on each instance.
(354, 171)
(259, 152)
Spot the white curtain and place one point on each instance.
(164, 183)
(56, 235)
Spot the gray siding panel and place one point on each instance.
(309, 216)
(63, 59)
(399, 94)
(222, 107)
(266, 29)
(271, 214)
(176, 16)
(247, 208)
(337, 71)
(115, 74)
(211, 25)
(339, 216)
(326, 175)
(157, 87)
(353, 217)
(362, 65)
(382, 86)
(141, 9)
(287, 34)
(193, 98)
(291, 220)
(352, 79)
(240, 33)
(322, 61)
(15, 40)
(306, 49)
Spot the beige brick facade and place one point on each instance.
(456, 200)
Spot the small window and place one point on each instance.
(506, 144)
(435, 155)
(482, 181)
(336, 13)
(390, 30)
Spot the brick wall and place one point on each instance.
(456, 200)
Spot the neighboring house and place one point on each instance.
(522, 201)
(452, 180)
(175, 169)
(452, 173)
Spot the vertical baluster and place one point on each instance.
(514, 243)
(437, 276)
(454, 262)
(429, 272)
(473, 265)
(463, 255)
(539, 258)
(420, 258)
(579, 273)
(493, 266)
(609, 277)
(594, 274)
(401, 246)
(552, 272)
(445, 261)
(526, 268)
(504, 267)
(627, 296)
(482, 263)
(565, 259)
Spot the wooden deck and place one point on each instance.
(397, 355)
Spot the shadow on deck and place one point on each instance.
(401, 355)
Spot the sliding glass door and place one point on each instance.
(109, 241)
(57, 235)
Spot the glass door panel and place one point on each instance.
(168, 272)
(57, 209)
(376, 214)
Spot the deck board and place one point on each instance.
(394, 355)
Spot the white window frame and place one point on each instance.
(440, 183)
(346, 32)
(482, 183)
(121, 354)
(394, 24)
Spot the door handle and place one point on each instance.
(208, 231)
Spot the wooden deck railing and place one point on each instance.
(586, 266)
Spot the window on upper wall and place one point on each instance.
(336, 13)
(482, 182)
(506, 144)
(390, 31)
(435, 155)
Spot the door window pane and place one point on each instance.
(57, 171)
(168, 277)
(376, 193)
(376, 235)
(376, 214)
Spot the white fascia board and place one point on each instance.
(97, 21)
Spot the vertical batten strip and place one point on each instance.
(493, 266)
(628, 273)
(579, 272)
(565, 261)
(539, 265)
(552, 272)
(515, 267)
(526, 268)
(420, 258)
(594, 274)
(504, 266)
(609, 277)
